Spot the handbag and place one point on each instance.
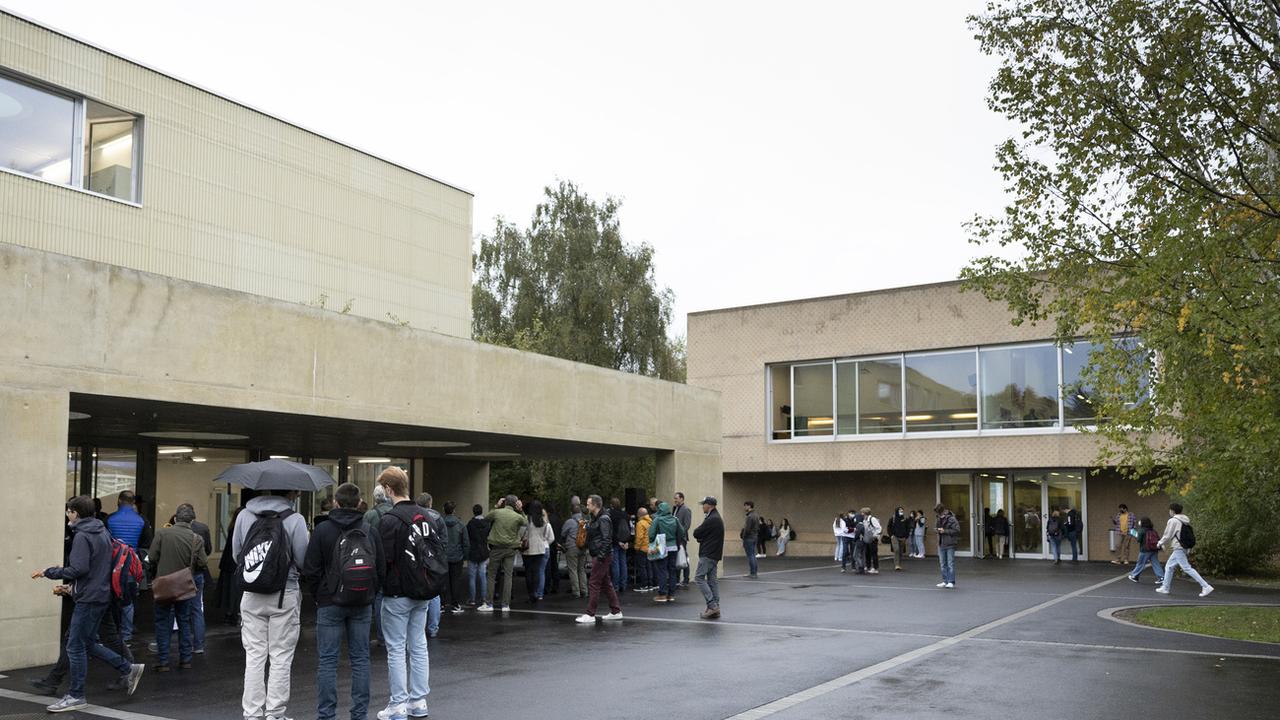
(658, 548)
(682, 558)
(174, 587)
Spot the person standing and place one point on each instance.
(899, 530)
(505, 524)
(710, 537)
(1123, 522)
(921, 525)
(871, 540)
(551, 573)
(1073, 529)
(601, 545)
(762, 539)
(129, 527)
(574, 556)
(685, 516)
(89, 569)
(1179, 536)
(537, 535)
(948, 529)
(174, 548)
(750, 534)
(666, 551)
(1053, 533)
(1148, 551)
(269, 620)
(456, 552)
(202, 580)
(621, 528)
(425, 500)
(344, 569)
(477, 555)
(1000, 533)
(373, 518)
(646, 567)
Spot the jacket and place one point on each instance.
(477, 540)
(751, 528)
(317, 568)
(504, 527)
(948, 531)
(127, 526)
(899, 526)
(1071, 522)
(458, 545)
(873, 529)
(642, 533)
(1000, 526)
(540, 538)
(569, 533)
(373, 516)
(667, 524)
(685, 516)
(1171, 531)
(89, 564)
(394, 531)
(600, 536)
(294, 527)
(1115, 521)
(620, 525)
(710, 536)
(177, 547)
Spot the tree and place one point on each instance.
(571, 287)
(1144, 202)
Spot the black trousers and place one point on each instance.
(873, 554)
(456, 589)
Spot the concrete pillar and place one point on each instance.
(696, 475)
(464, 482)
(33, 441)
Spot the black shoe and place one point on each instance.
(1132, 578)
(185, 665)
(46, 685)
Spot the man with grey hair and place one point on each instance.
(202, 578)
(373, 518)
(176, 548)
(575, 558)
(601, 546)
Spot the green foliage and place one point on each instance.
(1144, 186)
(571, 287)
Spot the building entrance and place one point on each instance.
(1020, 501)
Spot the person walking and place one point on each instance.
(269, 620)
(89, 569)
(666, 551)
(1148, 551)
(127, 525)
(710, 537)
(750, 533)
(575, 557)
(601, 546)
(456, 553)
(1073, 530)
(785, 535)
(1123, 522)
(344, 569)
(685, 516)
(1053, 533)
(1000, 533)
(177, 548)
(646, 566)
(536, 535)
(505, 525)
(1179, 535)
(477, 556)
(899, 531)
(871, 540)
(762, 539)
(948, 529)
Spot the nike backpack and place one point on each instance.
(420, 561)
(353, 566)
(266, 556)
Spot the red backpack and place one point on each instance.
(1150, 541)
(126, 572)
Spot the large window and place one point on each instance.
(68, 140)
(941, 392)
(879, 396)
(1078, 403)
(1019, 387)
(811, 400)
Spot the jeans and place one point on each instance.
(919, 538)
(197, 613)
(164, 630)
(1148, 557)
(600, 582)
(433, 616)
(859, 556)
(333, 623)
(533, 576)
(551, 575)
(268, 630)
(618, 569)
(501, 563)
(846, 552)
(476, 581)
(404, 623)
(82, 641)
(1074, 539)
(899, 546)
(947, 559)
(377, 615)
(668, 574)
(873, 554)
(1178, 559)
(749, 547)
(706, 579)
(126, 627)
(1056, 543)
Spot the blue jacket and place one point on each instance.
(126, 525)
(89, 565)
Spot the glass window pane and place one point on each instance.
(115, 470)
(1025, 525)
(954, 493)
(1078, 399)
(846, 398)
(37, 131)
(1019, 387)
(879, 396)
(780, 401)
(73, 471)
(813, 413)
(942, 392)
(109, 151)
(364, 472)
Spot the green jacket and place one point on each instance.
(177, 547)
(504, 527)
(667, 524)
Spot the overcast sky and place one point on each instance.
(768, 151)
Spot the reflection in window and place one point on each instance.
(780, 401)
(109, 151)
(846, 398)
(879, 396)
(1019, 387)
(941, 392)
(73, 471)
(115, 470)
(811, 400)
(1078, 396)
(37, 131)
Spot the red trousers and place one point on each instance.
(600, 579)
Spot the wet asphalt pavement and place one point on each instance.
(880, 644)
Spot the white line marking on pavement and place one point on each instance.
(869, 586)
(1171, 651)
(753, 626)
(778, 572)
(98, 710)
(843, 681)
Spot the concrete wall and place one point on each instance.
(465, 483)
(235, 198)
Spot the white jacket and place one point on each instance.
(1171, 531)
(539, 538)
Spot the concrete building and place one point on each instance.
(190, 283)
(907, 397)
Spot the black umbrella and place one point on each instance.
(276, 475)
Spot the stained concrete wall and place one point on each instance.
(465, 483)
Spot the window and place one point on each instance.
(68, 140)
(811, 409)
(879, 396)
(780, 401)
(1077, 396)
(1019, 387)
(941, 392)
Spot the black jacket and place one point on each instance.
(395, 538)
(317, 570)
(620, 525)
(600, 536)
(1071, 522)
(89, 563)
(899, 526)
(710, 536)
(478, 537)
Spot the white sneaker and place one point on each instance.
(585, 619)
(1162, 591)
(1205, 592)
(950, 585)
(941, 584)
(613, 616)
(394, 712)
(486, 608)
(418, 709)
(873, 571)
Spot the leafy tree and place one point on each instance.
(571, 287)
(1144, 202)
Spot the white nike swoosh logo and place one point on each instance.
(252, 575)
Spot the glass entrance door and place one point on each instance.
(1027, 524)
(1026, 497)
(992, 490)
(1064, 491)
(955, 490)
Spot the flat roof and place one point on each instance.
(820, 298)
(229, 99)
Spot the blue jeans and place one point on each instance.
(1056, 543)
(197, 613)
(947, 559)
(477, 581)
(668, 574)
(1074, 539)
(618, 569)
(846, 552)
(534, 575)
(433, 616)
(333, 623)
(1178, 559)
(164, 630)
(1148, 557)
(749, 547)
(126, 626)
(377, 615)
(404, 625)
(82, 641)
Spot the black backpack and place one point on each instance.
(354, 567)
(420, 561)
(266, 556)
(1186, 536)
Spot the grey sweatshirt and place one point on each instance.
(1171, 530)
(294, 526)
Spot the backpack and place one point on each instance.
(126, 572)
(1150, 541)
(581, 539)
(266, 556)
(1186, 536)
(354, 567)
(424, 574)
(1051, 528)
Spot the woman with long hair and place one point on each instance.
(537, 536)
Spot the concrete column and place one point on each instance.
(33, 441)
(464, 482)
(696, 475)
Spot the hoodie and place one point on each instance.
(1171, 531)
(666, 524)
(459, 545)
(89, 564)
(294, 526)
(317, 570)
